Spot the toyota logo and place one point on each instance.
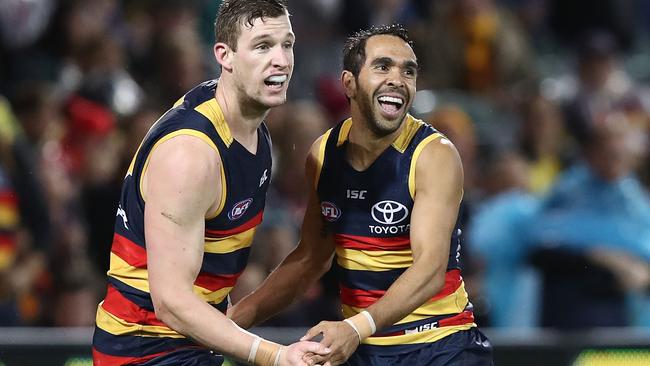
(389, 212)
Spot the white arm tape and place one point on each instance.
(254, 347)
(373, 327)
(353, 327)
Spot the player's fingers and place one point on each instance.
(315, 348)
(311, 333)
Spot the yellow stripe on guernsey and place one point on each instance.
(211, 110)
(452, 304)
(321, 157)
(411, 127)
(373, 260)
(414, 160)
(344, 132)
(426, 336)
(231, 243)
(138, 279)
(116, 326)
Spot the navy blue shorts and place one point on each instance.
(464, 348)
(187, 357)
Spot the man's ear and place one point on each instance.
(223, 54)
(349, 84)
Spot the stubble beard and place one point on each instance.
(375, 122)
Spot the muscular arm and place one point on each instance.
(438, 192)
(305, 264)
(181, 184)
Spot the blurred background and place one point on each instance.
(547, 102)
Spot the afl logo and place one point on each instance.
(330, 212)
(389, 212)
(239, 209)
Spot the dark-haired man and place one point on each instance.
(190, 203)
(385, 199)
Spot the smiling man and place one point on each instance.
(190, 203)
(385, 200)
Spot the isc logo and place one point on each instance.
(329, 211)
(239, 209)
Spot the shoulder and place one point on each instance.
(315, 158)
(438, 151)
(187, 154)
(437, 166)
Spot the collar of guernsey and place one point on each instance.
(368, 213)
(126, 325)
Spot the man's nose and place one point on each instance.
(281, 58)
(395, 77)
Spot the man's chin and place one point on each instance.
(274, 101)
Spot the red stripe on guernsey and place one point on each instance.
(453, 280)
(239, 229)
(465, 317)
(364, 298)
(215, 282)
(129, 251)
(118, 305)
(8, 198)
(360, 298)
(102, 359)
(370, 243)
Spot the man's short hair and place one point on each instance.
(233, 14)
(354, 51)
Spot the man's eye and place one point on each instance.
(288, 45)
(262, 46)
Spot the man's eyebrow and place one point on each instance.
(390, 61)
(383, 61)
(411, 63)
(268, 36)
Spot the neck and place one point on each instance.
(364, 145)
(241, 116)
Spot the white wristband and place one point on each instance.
(373, 327)
(254, 347)
(353, 327)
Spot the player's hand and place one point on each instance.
(340, 337)
(302, 353)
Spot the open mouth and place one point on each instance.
(276, 81)
(390, 105)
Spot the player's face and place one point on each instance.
(386, 83)
(263, 62)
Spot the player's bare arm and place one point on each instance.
(181, 187)
(438, 193)
(304, 265)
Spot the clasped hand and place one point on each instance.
(338, 336)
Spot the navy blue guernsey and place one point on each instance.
(369, 214)
(127, 330)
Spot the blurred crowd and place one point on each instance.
(547, 102)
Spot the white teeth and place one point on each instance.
(277, 78)
(388, 99)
